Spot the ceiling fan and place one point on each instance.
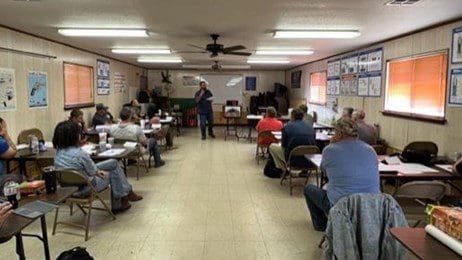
(214, 48)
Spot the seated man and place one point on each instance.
(102, 116)
(126, 130)
(7, 147)
(308, 118)
(76, 116)
(347, 112)
(351, 167)
(294, 133)
(269, 123)
(366, 133)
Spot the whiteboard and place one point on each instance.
(224, 87)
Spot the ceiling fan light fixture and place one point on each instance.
(140, 51)
(266, 61)
(88, 32)
(322, 34)
(284, 52)
(159, 60)
(196, 66)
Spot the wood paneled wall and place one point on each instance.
(396, 131)
(46, 118)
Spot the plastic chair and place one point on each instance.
(262, 148)
(301, 150)
(422, 192)
(68, 178)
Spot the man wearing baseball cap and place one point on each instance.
(102, 116)
(351, 166)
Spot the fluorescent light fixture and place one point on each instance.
(104, 32)
(262, 61)
(340, 34)
(284, 52)
(160, 60)
(141, 51)
(235, 67)
(192, 66)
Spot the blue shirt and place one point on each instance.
(74, 158)
(352, 167)
(4, 146)
(204, 106)
(294, 130)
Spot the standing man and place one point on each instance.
(204, 99)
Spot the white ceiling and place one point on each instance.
(175, 23)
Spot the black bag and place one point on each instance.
(416, 156)
(76, 253)
(270, 169)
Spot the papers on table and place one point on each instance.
(168, 119)
(406, 168)
(393, 160)
(112, 152)
(445, 167)
(277, 134)
(22, 146)
(88, 148)
(254, 117)
(130, 144)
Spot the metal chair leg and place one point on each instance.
(55, 223)
(87, 221)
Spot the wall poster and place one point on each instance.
(7, 90)
(363, 85)
(457, 45)
(333, 86)
(103, 77)
(370, 73)
(349, 85)
(38, 89)
(333, 68)
(120, 84)
(349, 65)
(191, 81)
(295, 79)
(250, 83)
(455, 89)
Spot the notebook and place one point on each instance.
(35, 209)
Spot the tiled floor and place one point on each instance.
(211, 201)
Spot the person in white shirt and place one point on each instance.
(127, 130)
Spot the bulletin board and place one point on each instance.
(78, 86)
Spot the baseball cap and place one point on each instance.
(101, 106)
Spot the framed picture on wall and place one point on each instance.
(295, 79)
(455, 89)
(457, 45)
(250, 83)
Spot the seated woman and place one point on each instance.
(7, 147)
(69, 155)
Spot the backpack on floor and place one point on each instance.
(76, 253)
(270, 169)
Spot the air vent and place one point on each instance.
(402, 2)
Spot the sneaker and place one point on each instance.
(159, 164)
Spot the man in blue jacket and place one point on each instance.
(204, 99)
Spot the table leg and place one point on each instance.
(249, 137)
(43, 223)
(20, 247)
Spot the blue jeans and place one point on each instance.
(319, 206)
(119, 184)
(204, 119)
(154, 150)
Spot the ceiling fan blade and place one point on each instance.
(239, 53)
(198, 47)
(233, 48)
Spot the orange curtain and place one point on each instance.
(78, 85)
(417, 86)
(318, 82)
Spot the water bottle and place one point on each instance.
(11, 192)
(34, 144)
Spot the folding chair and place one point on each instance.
(262, 148)
(136, 155)
(75, 178)
(299, 151)
(422, 192)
